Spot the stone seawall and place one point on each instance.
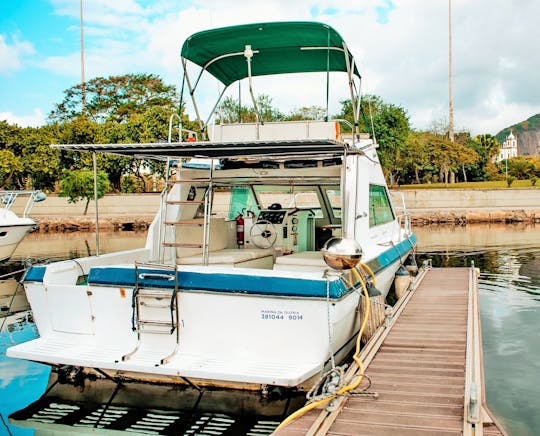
(461, 217)
(452, 206)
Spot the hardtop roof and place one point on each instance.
(270, 150)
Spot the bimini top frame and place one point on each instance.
(233, 53)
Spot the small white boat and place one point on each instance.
(14, 228)
(243, 300)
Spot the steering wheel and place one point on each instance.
(263, 234)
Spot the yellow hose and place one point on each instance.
(358, 380)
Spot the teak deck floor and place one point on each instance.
(418, 372)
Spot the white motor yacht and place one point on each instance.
(257, 298)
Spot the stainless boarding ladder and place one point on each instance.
(152, 305)
(166, 202)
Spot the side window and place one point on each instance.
(380, 211)
(241, 200)
(334, 198)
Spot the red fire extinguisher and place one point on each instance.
(239, 229)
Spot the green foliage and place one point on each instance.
(510, 180)
(231, 112)
(486, 147)
(522, 167)
(132, 184)
(534, 180)
(307, 113)
(493, 184)
(135, 108)
(9, 163)
(116, 98)
(120, 109)
(79, 185)
(391, 128)
(33, 163)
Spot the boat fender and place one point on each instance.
(39, 196)
(372, 290)
(410, 264)
(402, 281)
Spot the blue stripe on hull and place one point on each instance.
(233, 282)
(221, 282)
(392, 255)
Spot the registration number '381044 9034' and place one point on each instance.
(281, 315)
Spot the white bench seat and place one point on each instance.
(234, 257)
(304, 261)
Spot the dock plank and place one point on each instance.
(418, 373)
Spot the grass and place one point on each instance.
(498, 184)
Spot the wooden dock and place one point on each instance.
(425, 368)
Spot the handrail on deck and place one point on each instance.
(407, 226)
(473, 400)
(35, 196)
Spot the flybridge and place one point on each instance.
(234, 53)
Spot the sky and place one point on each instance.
(401, 47)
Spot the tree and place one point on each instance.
(521, 167)
(79, 185)
(116, 98)
(230, 112)
(10, 160)
(416, 155)
(41, 163)
(486, 147)
(9, 163)
(446, 155)
(390, 125)
(307, 113)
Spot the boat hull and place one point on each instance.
(11, 236)
(276, 329)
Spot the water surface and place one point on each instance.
(509, 259)
(509, 285)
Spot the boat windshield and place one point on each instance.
(324, 202)
(290, 197)
(334, 198)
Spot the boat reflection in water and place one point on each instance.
(508, 256)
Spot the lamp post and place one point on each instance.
(83, 90)
(450, 98)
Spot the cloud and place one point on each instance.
(401, 48)
(35, 119)
(11, 55)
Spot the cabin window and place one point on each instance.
(380, 211)
(290, 197)
(334, 198)
(242, 200)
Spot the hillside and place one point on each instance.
(528, 135)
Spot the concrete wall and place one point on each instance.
(437, 199)
(146, 205)
(132, 204)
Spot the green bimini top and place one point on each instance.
(279, 47)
